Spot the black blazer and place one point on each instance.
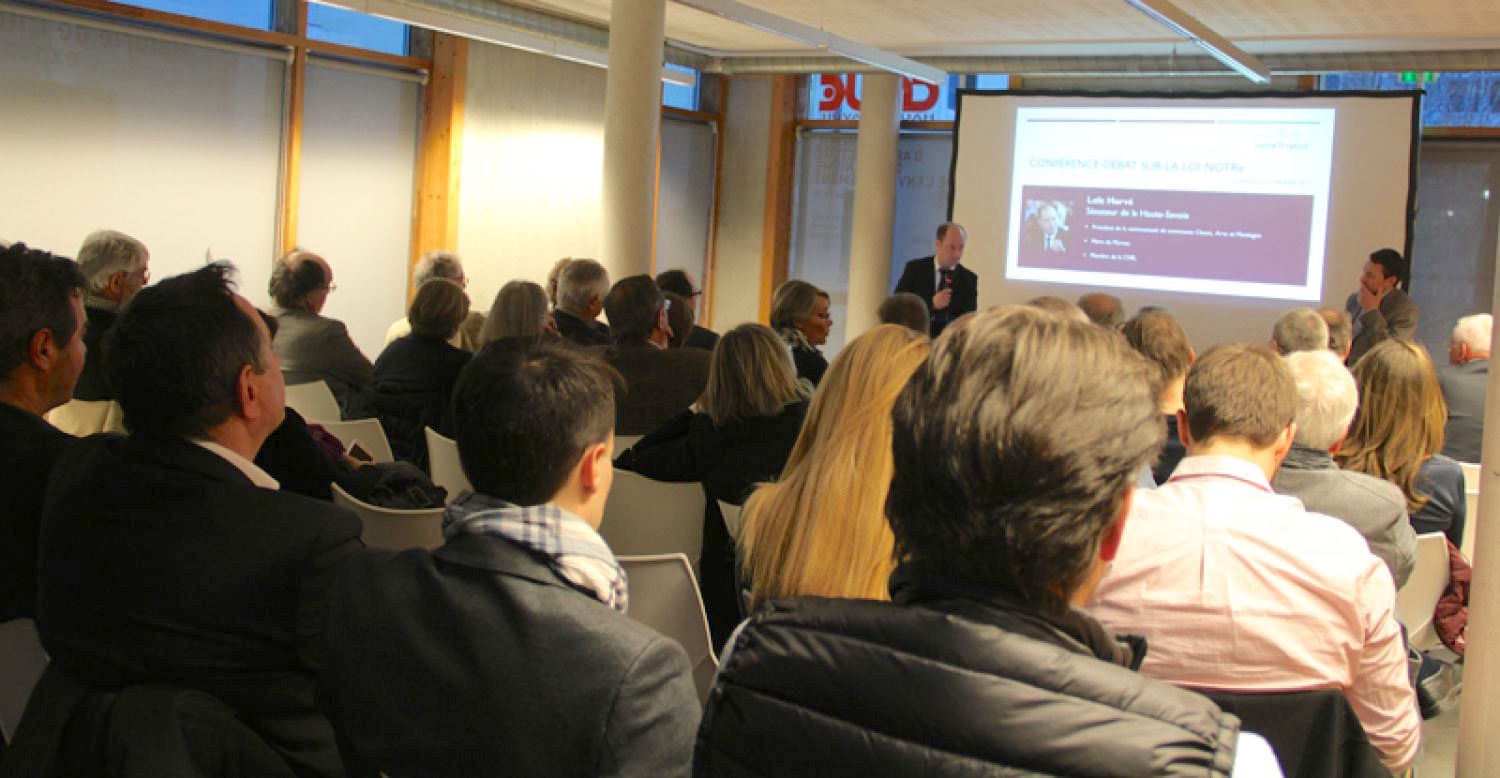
(920, 278)
(30, 447)
(160, 563)
(412, 389)
(583, 333)
(476, 659)
(92, 383)
(659, 383)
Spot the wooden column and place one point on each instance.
(781, 166)
(439, 156)
(291, 146)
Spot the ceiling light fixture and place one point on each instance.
(1182, 23)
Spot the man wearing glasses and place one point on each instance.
(678, 282)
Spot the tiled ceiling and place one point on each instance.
(977, 27)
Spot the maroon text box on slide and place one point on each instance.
(1219, 236)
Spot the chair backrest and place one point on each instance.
(664, 596)
(396, 530)
(644, 516)
(444, 465)
(22, 661)
(1471, 519)
(368, 433)
(1471, 475)
(86, 417)
(1417, 599)
(732, 519)
(315, 401)
(1314, 733)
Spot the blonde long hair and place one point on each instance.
(821, 529)
(1399, 424)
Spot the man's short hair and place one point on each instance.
(1014, 445)
(1105, 310)
(907, 310)
(1392, 263)
(175, 354)
(1326, 397)
(677, 282)
(580, 282)
(1242, 391)
(438, 263)
(1300, 329)
(107, 252)
(437, 309)
(525, 410)
(1162, 341)
(1340, 330)
(633, 306)
(295, 276)
(942, 230)
(1474, 331)
(36, 293)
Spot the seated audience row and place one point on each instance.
(443, 264)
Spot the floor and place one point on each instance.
(1439, 746)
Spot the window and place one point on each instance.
(245, 13)
(681, 95)
(351, 28)
(1452, 99)
(989, 81)
(836, 96)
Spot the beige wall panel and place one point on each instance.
(742, 203)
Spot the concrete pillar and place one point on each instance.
(874, 202)
(632, 121)
(1479, 709)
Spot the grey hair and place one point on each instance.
(1300, 329)
(520, 310)
(107, 252)
(581, 281)
(1474, 331)
(1326, 397)
(438, 263)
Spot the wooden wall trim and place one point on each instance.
(780, 175)
(706, 283)
(440, 150)
(291, 147)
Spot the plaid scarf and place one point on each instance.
(572, 548)
(794, 339)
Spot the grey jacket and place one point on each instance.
(1374, 507)
(1464, 389)
(1395, 318)
(316, 348)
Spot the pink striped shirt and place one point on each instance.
(1237, 588)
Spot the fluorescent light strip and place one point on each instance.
(1182, 23)
(490, 33)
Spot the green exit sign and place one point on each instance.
(1416, 77)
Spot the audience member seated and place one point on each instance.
(507, 649)
(1239, 589)
(581, 288)
(799, 314)
(168, 558)
(312, 347)
(1300, 329)
(679, 319)
(907, 310)
(42, 330)
(414, 376)
(821, 529)
(1398, 432)
(1105, 310)
(1463, 383)
(1161, 340)
(1003, 520)
(740, 435)
(680, 283)
(442, 263)
(293, 456)
(553, 277)
(117, 267)
(520, 311)
(1058, 307)
(1326, 400)
(659, 383)
(1380, 308)
(1340, 332)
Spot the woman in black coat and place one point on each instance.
(740, 435)
(799, 314)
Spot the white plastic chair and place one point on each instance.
(444, 465)
(644, 516)
(664, 596)
(1417, 599)
(86, 417)
(1471, 506)
(732, 519)
(1471, 475)
(315, 401)
(393, 529)
(22, 661)
(368, 433)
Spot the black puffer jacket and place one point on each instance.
(946, 685)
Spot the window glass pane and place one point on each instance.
(1452, 99)
(836, 96)
(990, 81)
(351, 28)
(245, 13)
(679, 95)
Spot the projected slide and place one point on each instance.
(1230, 201)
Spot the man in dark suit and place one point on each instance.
(1464, 383)
(169, 558)
(311, 346)
(581, 288)
(42, 327)
(677, 281)
(659, 382)
(949, 289)
(507, 650)
(1380, 309)
(116, 267)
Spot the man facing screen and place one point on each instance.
(949, 289)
